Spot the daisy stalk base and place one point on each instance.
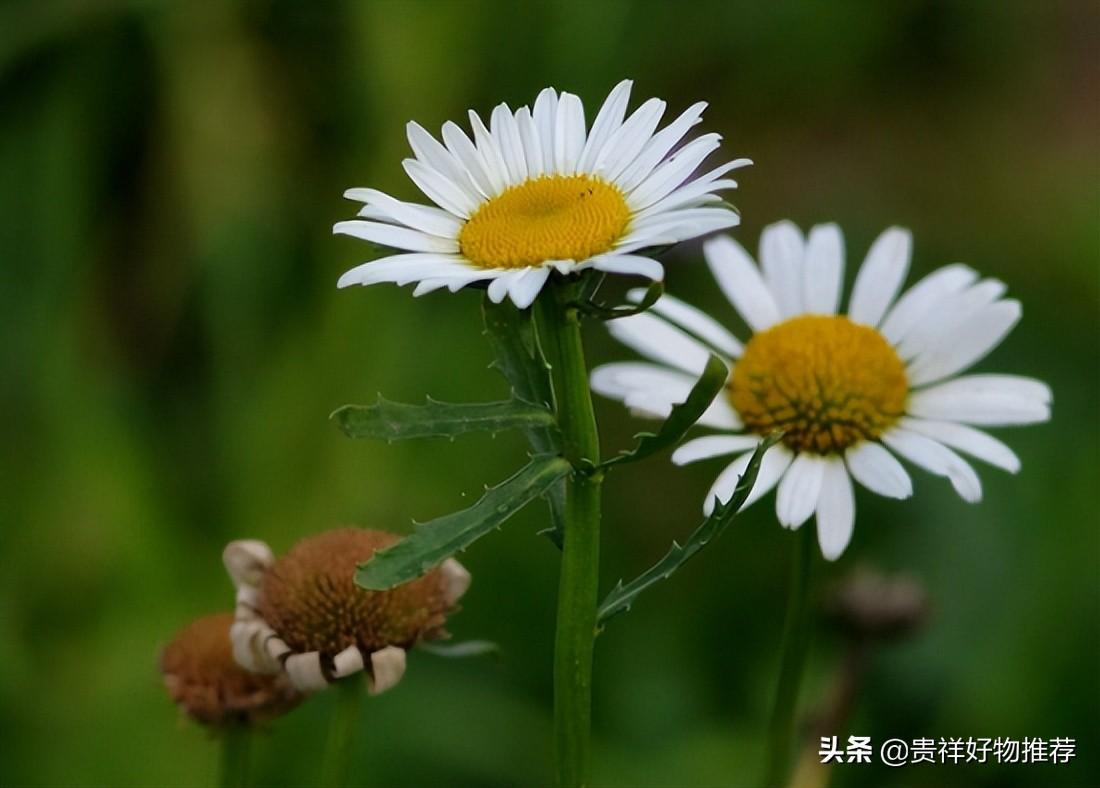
(236, 747)
(560, 334)
(796, 639)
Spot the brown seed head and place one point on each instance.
(870, 605)
(209, 686)
(309, 597)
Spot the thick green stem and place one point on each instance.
(236, 744)
(341, 735)
(559, 331)
(796, 637)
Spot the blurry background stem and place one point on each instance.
(560, 333)
(341, 736)
(795, 643)
(236, 746)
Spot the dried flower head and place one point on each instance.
(206, 682)
(872, 605)
(303, 613)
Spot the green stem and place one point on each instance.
(341, 735)
(236, 743)
(796, 637)
(559, 330)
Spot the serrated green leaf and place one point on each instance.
(436, 540)
(590, 307)
(394, 421)
(622, 596)
(518, 356)
(682, 417)
(462, 650)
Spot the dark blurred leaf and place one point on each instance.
(622, 596)
(467, 648)
(518, 356)
(603, 312)
(682, 417)
(394, 421)
(439, 539)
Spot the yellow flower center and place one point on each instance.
(555, 217)
(828, 382)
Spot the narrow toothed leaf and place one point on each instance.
(622, 596)
(394, 421)
(436, 540)
(589, 307)
(682, 417)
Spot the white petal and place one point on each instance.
(347, 662)
(656, 339)
(772, 466)
(532, 145)
(936, 458)
(621, 378)
(425, 218)
(974, 442)
(920, 299)
(693, 189)
(402, 269)
(624, 145)
(607, 122)
(823, 270)
(304, 671)
(456, 579)
(545, 115)
(741, 282)
(676, 225)
(713, 446)
(697, 322)
(799, 489)
(946, 315)
(464, 151)
(439, 189)
(387, 668)
(568, 134)
(878, 470)
(526, 287)
(781, 258)
(433, 155)
(396, 237)
(490, 153)
(836, 510)
(880, 276)
(246, 561)
(659, 146)
(629, 264)
(672, 172)
(968, 344)
(988, 400)
(506, 131)
(501, 285)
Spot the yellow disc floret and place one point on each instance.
(556, 217)
(828, 382)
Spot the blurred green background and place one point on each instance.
(173, 343)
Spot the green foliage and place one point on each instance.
(681, 419)
(622, 596)
(590, 307)
(438, 539)
(394, 421)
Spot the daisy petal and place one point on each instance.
(656, 339)
(490, 154)
(500, 286)
(673, 172)
(503, 126)
(607, 122)
(970, 343)
(771, 468)
(741, 282)
(545, 115)
(440, 189)
(429, 151)
(629, 264)
(659, 146)
(467, 154)
(878, 470)
(695, 321)
(880, 276)
(976, 443)
(396, 237)
(988, 400)
(920, 299)
(624, 145)
(936, 458)
(526, 287)
(836, 510)
(568, 134)
(402, 269)
(712, 446)
(425, 218)
(799, 489)
(944, 318)
(781, 258)
(823, 271)
(650, 390)
(532, 144)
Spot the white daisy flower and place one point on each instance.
(535, 192)
(851, 391)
